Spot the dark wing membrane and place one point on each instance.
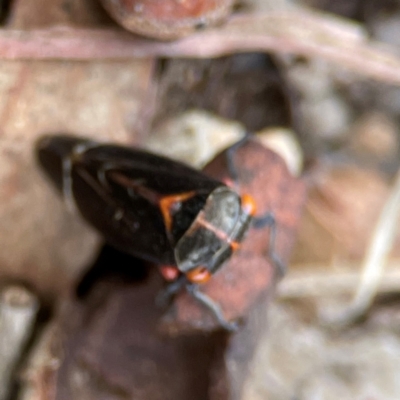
(133, 183)
(164, 175)
(117, 190)
(133, 226)
(157, 173)
(51, 151)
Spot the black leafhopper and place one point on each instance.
(152, 207)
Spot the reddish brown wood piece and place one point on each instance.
(250, 272)
(167, 19)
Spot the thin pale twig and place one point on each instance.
(308, 283)
(298, 32)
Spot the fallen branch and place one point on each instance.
(303, 33)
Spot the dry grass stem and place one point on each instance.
(375, 261)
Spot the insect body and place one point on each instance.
(151, 207)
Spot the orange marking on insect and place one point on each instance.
(248, 204)
(169, 272)
(167, 202)
(199, 275)
(234, 245)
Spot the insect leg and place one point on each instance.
(165, 296)
(212, 306)
(268, 220)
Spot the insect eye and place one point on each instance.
(199, 275)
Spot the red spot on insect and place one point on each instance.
(229, 182)
(169, 272)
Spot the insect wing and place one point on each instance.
(118, 191)
(159, 174)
